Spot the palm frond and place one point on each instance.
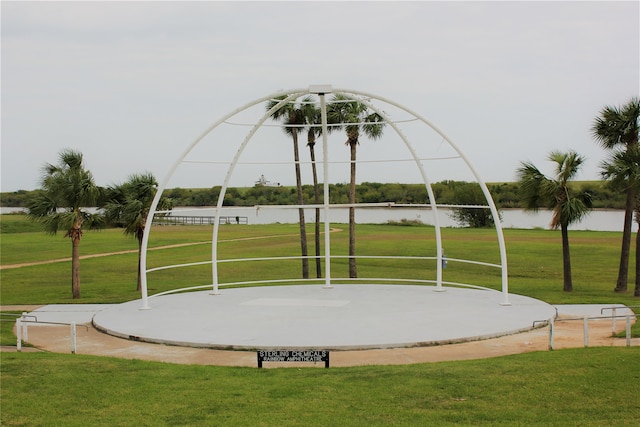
(530, 181)
(618, 126)
(622, 169)
(567, 164)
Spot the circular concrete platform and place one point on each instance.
(311, 317)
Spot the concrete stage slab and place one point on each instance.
(345, 317)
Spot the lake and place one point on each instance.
(597, 220)
(600, 220)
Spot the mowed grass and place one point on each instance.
(587, 386)
(594, 386)
(534, 260)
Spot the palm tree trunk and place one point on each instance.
(353, 271)
(316, 194)
(623, 270)
(636, 292)
(566, 259)
(75, 264)
(303, 226)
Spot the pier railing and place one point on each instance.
(198, 220)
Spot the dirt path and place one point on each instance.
(568, 334)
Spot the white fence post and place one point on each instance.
(628, 330)
(551, 326)
(19, 334)
(586, 331)
(613, 321)
(25, 329)
(73, 337)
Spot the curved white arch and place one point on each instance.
(292, 95)
(483, 186)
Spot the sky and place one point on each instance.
(132, 84)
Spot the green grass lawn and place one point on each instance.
(587, 386)
(534, 260)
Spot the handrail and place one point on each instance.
(614, 308)
(16, 315)
(296, 257)
(318, 281)
(551, 322)
(22, 334)
(57, 323)
(613, 312)
(623, 316)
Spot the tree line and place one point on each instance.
(506, 195)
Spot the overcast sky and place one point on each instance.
(131, 84)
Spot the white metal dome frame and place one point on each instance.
(282, 98)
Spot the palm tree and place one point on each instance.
(622, 169)
(312, 117)
(128, 206)
(293, 118)
(536, 191)
(619, 128)
(354, 117)
(66, 189)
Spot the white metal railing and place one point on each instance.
(613, 314)
(336, 280)
(585, 319)
(22, 330)
(445, 261)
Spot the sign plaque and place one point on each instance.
(293, 356)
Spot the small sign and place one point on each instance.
(293, 356)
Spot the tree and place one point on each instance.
(536, 191)
(292, 115)
(128, 206)
(621, 170)
(471, 194)
(618, 128)
(353, 116)
(312, 116)
(67, 188)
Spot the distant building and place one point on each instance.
(262, 182)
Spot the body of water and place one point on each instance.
(600, 220)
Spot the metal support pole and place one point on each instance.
(73, 337)
(613, 321)
(551, 331)
(327, 221)
(586, 331)
(19, 334)
(628, 330)
(25, 329)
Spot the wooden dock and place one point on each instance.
(199, 220)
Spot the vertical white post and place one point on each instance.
(214, 243)
(325, 168)
(586, 331)
(25, 329)
(73, 337)
(551, 332)
(19, 334)
(628, 330)
(613, 321)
